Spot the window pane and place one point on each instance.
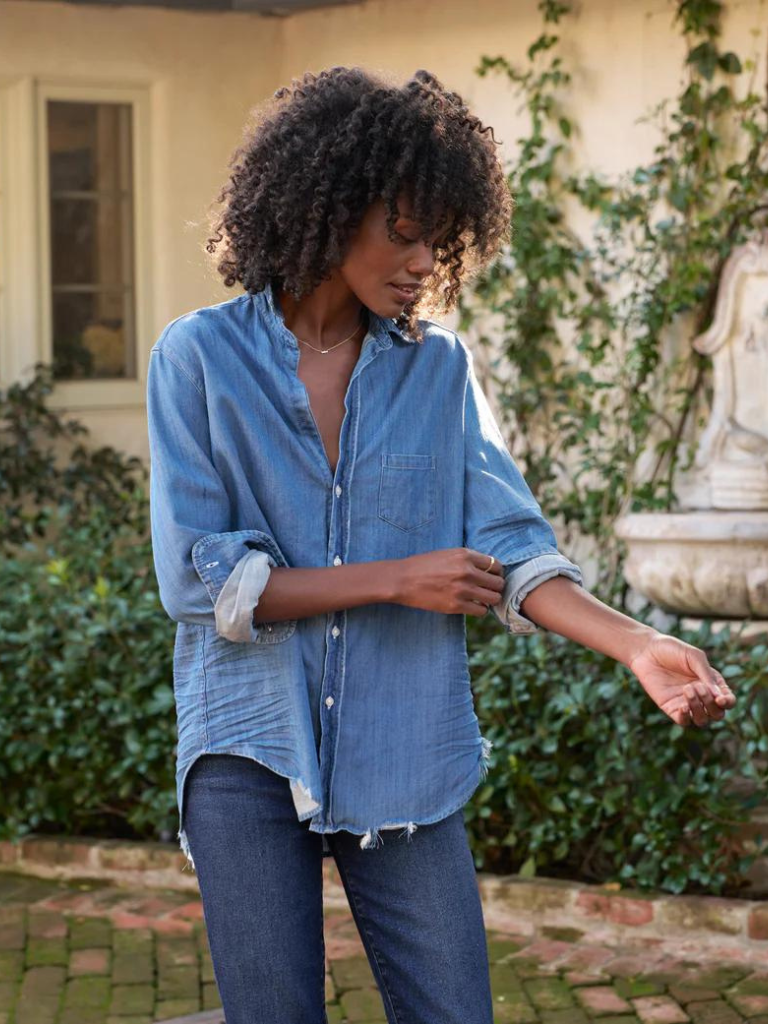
(91, 235)
(84, 143)
(88, 328)
(84, 236)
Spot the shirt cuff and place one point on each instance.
(239, 596)
(217, 558)
(522, 580)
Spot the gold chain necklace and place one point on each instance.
(324, 351)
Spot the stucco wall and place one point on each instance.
(207, 69)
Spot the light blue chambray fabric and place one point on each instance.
(368, 711)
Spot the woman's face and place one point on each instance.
(375, 265)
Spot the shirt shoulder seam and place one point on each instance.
(180, 368)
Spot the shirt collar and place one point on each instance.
(383, 326)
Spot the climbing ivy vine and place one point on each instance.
(606, 393)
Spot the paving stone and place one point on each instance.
(207, 972)
(334, 1014)
(718, 978)
(133, 940)
(178, 983)
(630, 988)
(11, 964)
(44, 924)
(44, 981)
(211, 997)
(754, 984)
(601, 1000)
(499, 948)
(362, 1004)
(545, 951)
(42, 952)
(504, 978)
(548, 993)
(133, 968)
(513, 1009)
(12, 936)
(749, 1005)
(9, 914)
(629, 966)
(175, 1008)
(89, 932)
(132, 999)
(78, 1015)
(569, 1016)
(685, 993)
(30, 1013)
(352, 972)
(87, 993)
(8, 993)
(714, 1011)
(176, 952)
(659, 1010)
(587, 958)
(89, 961)
(576, 979)
(619, 1020)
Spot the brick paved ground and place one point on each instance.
(80, 953)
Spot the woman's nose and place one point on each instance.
(422, 263)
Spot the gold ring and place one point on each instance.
(491, 565)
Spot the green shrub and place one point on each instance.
(87, 726)
(590, 780)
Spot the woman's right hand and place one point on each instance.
(455, 581)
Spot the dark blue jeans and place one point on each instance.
(415, 902)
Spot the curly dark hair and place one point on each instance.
(318, 153)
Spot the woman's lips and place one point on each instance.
(403, 294)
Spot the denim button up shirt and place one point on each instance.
(368, 711)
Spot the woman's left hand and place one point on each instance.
(680, 680)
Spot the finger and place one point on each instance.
(726, 697)
(697, 710)
(484, 595)
(681, 715)
(483, 561)
(708, 700)
(710, 677)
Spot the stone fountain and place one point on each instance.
(709, 559)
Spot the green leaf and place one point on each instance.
(528, 869)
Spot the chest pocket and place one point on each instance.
(407, 490)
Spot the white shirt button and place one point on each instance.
(335, 631)
(337, 560)
(329, 702)
(338, 490)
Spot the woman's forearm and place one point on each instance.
(300, 593)
(564, 607)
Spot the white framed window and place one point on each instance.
(81, 298)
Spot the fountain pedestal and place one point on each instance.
(710, 560)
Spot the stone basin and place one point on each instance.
(708, 562)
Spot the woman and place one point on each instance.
(330, 497)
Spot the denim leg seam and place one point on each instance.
(355, 906)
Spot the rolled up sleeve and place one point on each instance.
(501, 516)
(206, 573)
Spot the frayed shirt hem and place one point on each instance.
(307, 807)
